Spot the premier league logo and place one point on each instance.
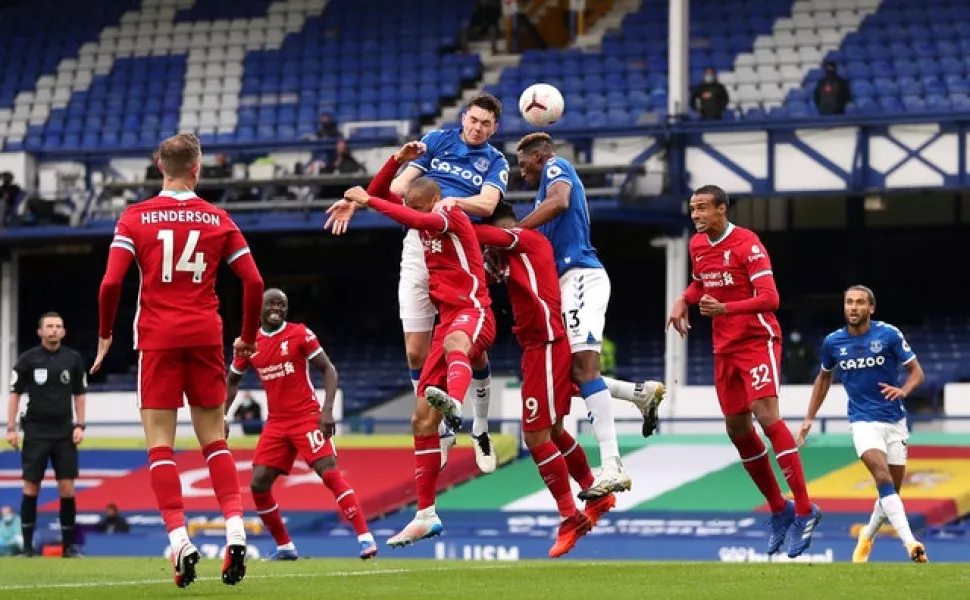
(482, 164)
(875, 346)
(65, 377)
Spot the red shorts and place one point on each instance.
(547, 387)
(281, 441)
(746, 374)
(477, 323)
(164, 376)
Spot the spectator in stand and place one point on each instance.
(327, 127)
(710, 98)
(249, 414)
(484, 24)
(112, 521)
(9, 191)
(832, 92)
(799, 364)
(11, 537)
(342, 162)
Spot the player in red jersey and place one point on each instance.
(733, 284)
(297, 423)
(466, 330)
(547, 388)
(178, 240)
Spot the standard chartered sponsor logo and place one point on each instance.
(749, 554)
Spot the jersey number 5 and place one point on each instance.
(189, 261)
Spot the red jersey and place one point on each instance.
(456, 267)
(736, 271)
(533, 283)
(178, 240)
(282, 361)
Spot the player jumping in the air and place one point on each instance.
(297, 423)
(733, 283)
(547, 390)
(562, 215)
(178, 240)
(473, 175)
(868, 353)
(467, 329)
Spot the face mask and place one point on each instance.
(796, 337)
(7, 518)
(708, 78)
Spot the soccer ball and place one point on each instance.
(541, 104)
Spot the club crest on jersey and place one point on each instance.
(875, 346)
(40, 376)
(482, 164)
(65, 377)
(285, 348)
(727, 258)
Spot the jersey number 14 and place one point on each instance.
(189, 260)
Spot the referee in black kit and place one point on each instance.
(51, 374)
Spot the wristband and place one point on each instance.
(81, 425)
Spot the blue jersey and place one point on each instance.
(459, 169)
(569, 232)
(866, 361)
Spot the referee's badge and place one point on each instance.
(40, 376)
(65, 377)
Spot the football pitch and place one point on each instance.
(103, 579)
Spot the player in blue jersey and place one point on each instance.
(473, 175)
(562, 215)
(868, 354)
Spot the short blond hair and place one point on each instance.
(534, 141)
(178, 154)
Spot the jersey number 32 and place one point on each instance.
(189, 260)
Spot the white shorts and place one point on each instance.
(585, 297)
(888, 437)
(417, 311)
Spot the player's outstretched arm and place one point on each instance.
(914, 379)
(245, 268)
(496, 237)
(820, 389)
(435, 221)
(482, 204)
(120, 257)
(556, 203)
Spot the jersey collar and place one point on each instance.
(272, 333)
(177, 195)
(727, 232)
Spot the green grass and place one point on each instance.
(106, 579)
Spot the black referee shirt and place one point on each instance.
(50, 380)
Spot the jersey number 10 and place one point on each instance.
(189, 261)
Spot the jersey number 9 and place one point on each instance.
(189, 260)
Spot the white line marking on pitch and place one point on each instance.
(91, 584)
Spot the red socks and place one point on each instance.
(754, 457)
(552, 468)
(225, 480)
(459, 374)
(346, 499)
(167, 486)
(427, 463)
(269, 511)
(575, 458)
(786, 453)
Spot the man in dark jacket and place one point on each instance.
(832, 92)
(710, 98)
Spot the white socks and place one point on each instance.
(892, 505)
(235, 531)
(177, 538)
(876, 519)
(624, 390)
(482, 390)
(599, 403)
